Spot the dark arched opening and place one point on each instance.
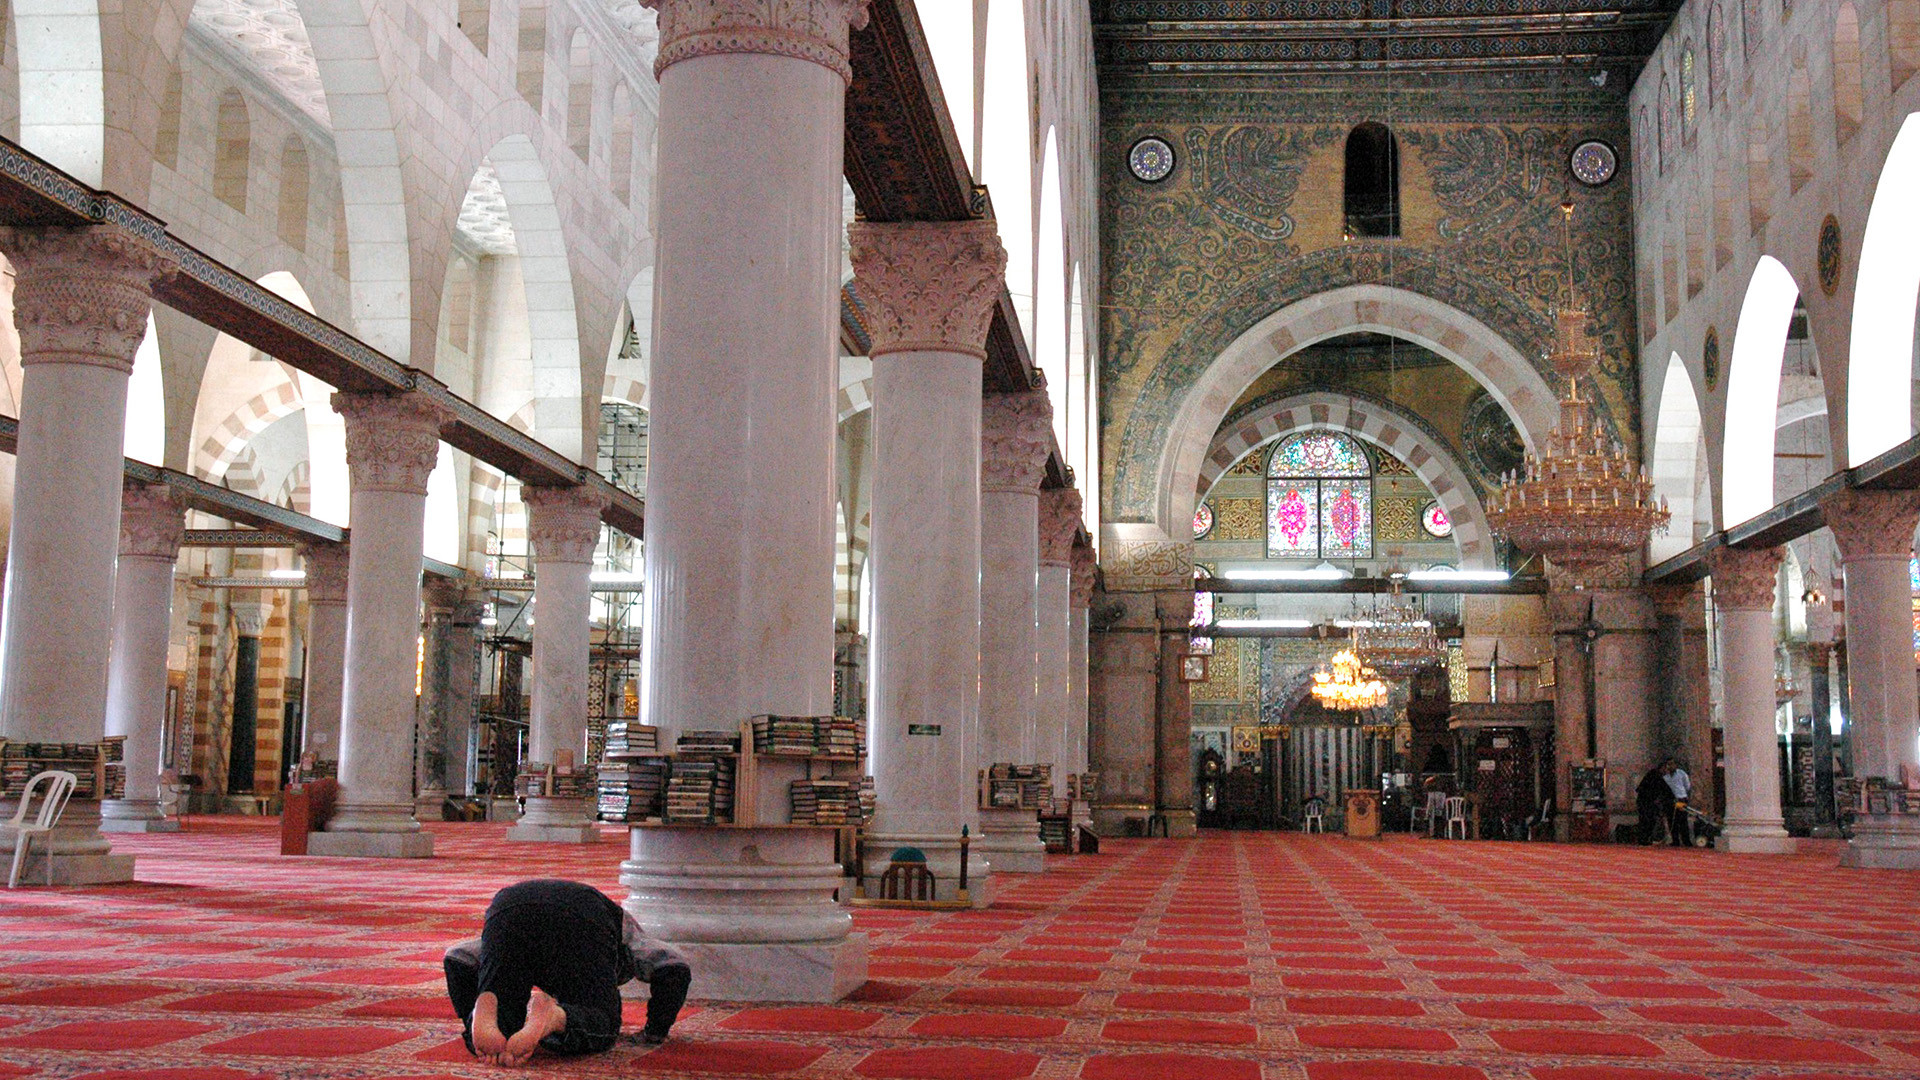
(1373, 182)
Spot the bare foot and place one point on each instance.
(488, 1042)
(544, 1017)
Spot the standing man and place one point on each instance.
(1679, 827)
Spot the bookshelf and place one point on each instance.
(773, 771)
(97, 766)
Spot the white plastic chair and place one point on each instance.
(58, 786)
(1316, 817)
(1433, 813)
(1457, 815)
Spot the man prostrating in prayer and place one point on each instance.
(545, 973)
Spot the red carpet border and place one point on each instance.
(1232, 957)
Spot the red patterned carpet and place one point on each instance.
(1236, 957)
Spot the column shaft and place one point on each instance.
(564, 525)
(1173, 714)
(1743, 588)
(150, 527)
(326, 651)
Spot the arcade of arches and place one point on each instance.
(465, 408)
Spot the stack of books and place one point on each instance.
(708, 741)
(700, 791)
(1056, 833)
(628, 737)
(867, 798)
(568, 784)
(840, 736)
(1084, 786)
(784, 735)
(1019, 787)
(830, 801)
(633, 790)
(21, 762)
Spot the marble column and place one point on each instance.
(150, 527)
(463, 675)
(1874, 531)
(249, 622)
(430, 706)
(1744, 584)
(81, 298)
(1080, 603)
(326, 566)
(1173, 714)
(393, 441)
(1059, 528)
(740, 485)
(929, 289)
(1014, 441)
(564, 526)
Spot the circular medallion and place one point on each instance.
(1710, 359)
(1593, 163)
(1492, 443)
(1151, 159)
(1829, 254)
(1203, 521)
(1436, 522)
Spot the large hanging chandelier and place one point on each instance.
(1581, 501)
(1400, 640)
(1350, 685)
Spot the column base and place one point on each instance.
(371, 845)
(1180, 823)
(555, 834)
(140, 825)
(817, 971)
(135, 816)
(73, 869)
(430, 806)
(720, 885)
(1756, 839)
(1883, 842)
(1010, 841)
(943, 858)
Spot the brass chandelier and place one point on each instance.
(1400, 640)
(1350, 685)
(1581, 502)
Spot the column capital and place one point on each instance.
(929, 286)
(1014, 433)
(1867, 524)
(1745, 580)
(81, 296)
(326, 573)
(393, 440)
(1147, 565)
(1675, 600)
(441, 594)
(250, 617)
(151, 523)
(1059, 526)
(563, 524)
(1083, 576)
(813, 30)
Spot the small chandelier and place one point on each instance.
(1350, 686)
(1400, 640)
(1581, 502)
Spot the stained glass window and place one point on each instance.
(1913, 574)
(1318, 453)
(1688, 97)
(1293, 518)
(1319, 498)
(1202, 615)
(1203, 521)
(1916, 637)
(1346, 519)
(1434, 519)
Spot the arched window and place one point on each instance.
(293, 193)
(1668, 120)
(1372, 182)
(580, 95)
(1716, 54)
(166, 139)
(1750, 28)
(1847, 89)
(1689, 96)
(233, 150)
(473, 16)
(531, 75)
(1319, 498)
(620, 153)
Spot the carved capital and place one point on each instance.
(250, 617)
(150, 522)
(326, 573)
(928, 285)
(1676, 601)
(813, 30)
(393, 440)
(81, 296)
(1083, 576)
(1744, 580)
(1147, 565)
(1867, 524)
(563, 524)
(1059, 526)
(1015, 434)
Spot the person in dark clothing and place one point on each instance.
(546, 972)
(1654, 801)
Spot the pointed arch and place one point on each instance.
(1678, 443)
(1847, 89)
(531, 74)
(1371, 181)
(1881, 357)
(1723, 235)
(1753, 392)
(63, 104)
(1716, 54)
(474, 17)
(1759, 172)
(1050, 293)
(294, 180)
(1903, 41)
(580, 95)
(1006, 166)
(166, 137)
(1800, 159)
(620, 153)
(232, 150)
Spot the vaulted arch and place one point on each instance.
(1881, 359)
(1679, 473)
(1753, 392)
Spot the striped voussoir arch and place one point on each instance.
(1387, 428)
(296, 491)
(223, 444)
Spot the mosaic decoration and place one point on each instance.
(1710, 359)
(1385, 464)
(1396, 520)
(1238, 519)
(1435, 521)
(1250, 173)
(1829, 255)
(1492, 443)
(1293, 519)
(1318, 453)
(1346, 519)
(1203, 521)
(1457, 671)
(1593, 163)
(1253, 464)
(1151, 159)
